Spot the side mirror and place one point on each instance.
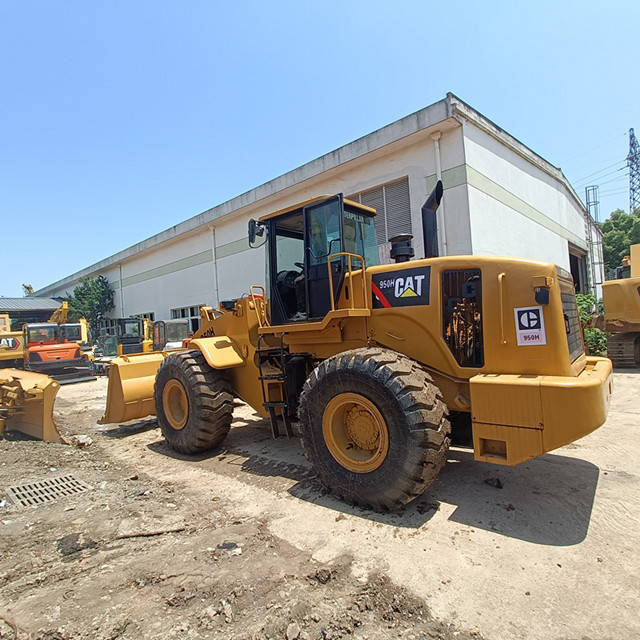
(255, 230)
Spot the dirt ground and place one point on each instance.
(243, 543)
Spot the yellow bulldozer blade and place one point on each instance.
(130, 390)
(26, 404)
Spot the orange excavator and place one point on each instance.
(46, 350)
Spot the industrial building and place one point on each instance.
(500, 198)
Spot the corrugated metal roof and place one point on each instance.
(7, 305)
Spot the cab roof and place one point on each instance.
(368, 211)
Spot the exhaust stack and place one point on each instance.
(430, 221)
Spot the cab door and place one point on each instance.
(159, 337)
(323, 233)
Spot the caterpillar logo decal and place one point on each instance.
(405, 288)
(9, 344)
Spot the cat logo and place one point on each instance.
(9, 344)
(530, 326)
(409, 287)
(404, 288)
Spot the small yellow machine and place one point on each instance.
(26, 404)
(11, 344)
(134, 335)
(371, 358)
(11, 349)
(621, 298)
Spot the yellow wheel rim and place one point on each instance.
(355, 433)
(175, 404)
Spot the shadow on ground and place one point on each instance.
(544, 501)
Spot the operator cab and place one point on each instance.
(302, 242)
(169, 334)
(43, 333)
(130, 335)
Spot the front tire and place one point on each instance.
(374, 427)
(193, 402)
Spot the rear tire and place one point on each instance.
(374, 427)
(193, 402)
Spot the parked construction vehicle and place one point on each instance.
(49, 349)
(11, 349)
(46, 347)
(372, 357)
(11, 344)
(134, 335)
(621, 299)
(166, 335)
(170, 334)
(26, 404)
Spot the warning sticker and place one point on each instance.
(404, 288)
(530, 326)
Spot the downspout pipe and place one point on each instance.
(123, 314)
(435, 136)
(216, 291)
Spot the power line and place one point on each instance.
(616, 179)
(598, 146)
(614, 192)
(587, 178)
(588, 165)
(606, 175)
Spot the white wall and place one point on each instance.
(497, 202)
(413, 157)
(496, 230)
(516, 208)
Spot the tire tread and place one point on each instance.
(425, 426)
(210, 402)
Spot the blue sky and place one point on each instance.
(120, 119)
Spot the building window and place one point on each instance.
(393, 205)
(149, 316)
(190, 313)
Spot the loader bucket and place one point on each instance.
(26, 404)
(130, 390)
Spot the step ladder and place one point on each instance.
(269, 375)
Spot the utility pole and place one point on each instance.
(594, 238)
(633, 162)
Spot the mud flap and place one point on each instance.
(26, 404)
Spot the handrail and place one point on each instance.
(501, 277)
(349, 274)
(258, 297)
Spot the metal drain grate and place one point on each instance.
(36, 493)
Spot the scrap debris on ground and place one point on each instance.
(135, 557)
(133, 540)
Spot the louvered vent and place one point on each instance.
(393, 205)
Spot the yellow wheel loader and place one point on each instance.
(371, 358)
(621, 299)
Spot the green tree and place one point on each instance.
(91, 299)
(595, 339)
(619, 232)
